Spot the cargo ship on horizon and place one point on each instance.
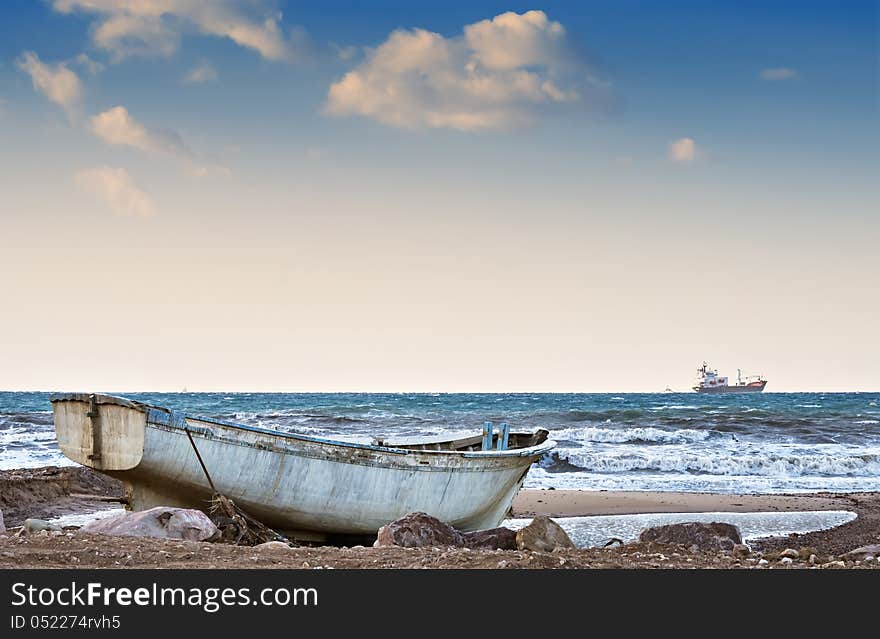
(709, 381)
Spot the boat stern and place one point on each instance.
(100, 431)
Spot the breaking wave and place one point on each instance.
(768, 463)
(646, 435)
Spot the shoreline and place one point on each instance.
(50, 492)
(585, 503)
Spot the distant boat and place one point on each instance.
(709, 381)
(307, 487)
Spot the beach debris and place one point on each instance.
(239, 528)
(543, 535)
(420, 530)
(741, 550)
(162, 521)
(31, 526)
(705, 536)
(790, 553)
(612, 541)
(864, 551)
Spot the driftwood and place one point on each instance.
(237, 527)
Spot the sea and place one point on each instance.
(752, 443)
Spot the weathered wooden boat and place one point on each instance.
(308, 487)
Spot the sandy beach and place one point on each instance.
(52, 492)
(583, 503)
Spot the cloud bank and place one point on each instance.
(497, 74)
(155, 27)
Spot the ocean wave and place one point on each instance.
(768, 463)
(31, 419)
(642, 435)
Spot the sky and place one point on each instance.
(473, 196)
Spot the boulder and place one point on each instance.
(420, 530)
(492, 539)
(162, 521)
(543, 535)
(790, 553)
(712, 536)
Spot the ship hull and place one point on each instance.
(750, 388)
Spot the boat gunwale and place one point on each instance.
(179, 416)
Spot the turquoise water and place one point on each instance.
(768, 442)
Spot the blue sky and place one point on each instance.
(595, 175)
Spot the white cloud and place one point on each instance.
(202, 73)
(58, 83)
(496, 75)
(116, 189)
(779, 73)
(115, 126)
(684, 151)
(130, 27)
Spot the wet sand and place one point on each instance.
(582, 503)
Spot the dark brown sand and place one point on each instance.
(50, 492)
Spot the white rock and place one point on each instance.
(786, 560)
(763, 562)
(162, 521)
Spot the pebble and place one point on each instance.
(786, 560)
(763, 562)
(812, 559)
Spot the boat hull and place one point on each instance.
(304, 486)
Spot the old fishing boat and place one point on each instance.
(308, 487)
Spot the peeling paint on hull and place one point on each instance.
(291, 482)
